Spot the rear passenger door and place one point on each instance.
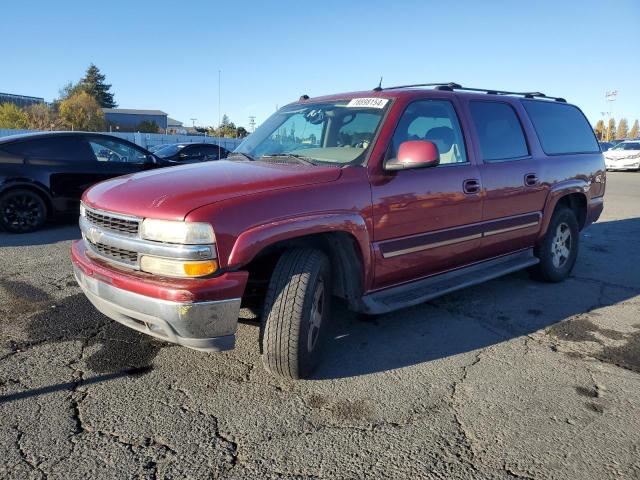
(65, 160)
(514, 195)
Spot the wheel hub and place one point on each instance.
(315, 319)
(561, 245)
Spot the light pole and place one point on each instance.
(219, 109)
(609, 96)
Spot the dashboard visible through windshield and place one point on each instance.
(339, 132)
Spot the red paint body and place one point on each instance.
(252, 205)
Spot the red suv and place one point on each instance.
(383, 198)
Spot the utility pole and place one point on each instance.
(609, 96)
(219, 110)
(193, 122)
(252, 123)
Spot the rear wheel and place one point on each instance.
(559, 248)
(22, 211)
(296, 313)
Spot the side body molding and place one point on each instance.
(250, 242)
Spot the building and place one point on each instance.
(129, 120)
(21, 101)
(175, 126)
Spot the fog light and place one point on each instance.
(177, 268)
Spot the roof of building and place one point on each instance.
(133, 111)
(22, 97)
(172, 122)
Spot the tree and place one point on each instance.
(611, 130)
(635, 130)
(81, 111)
(623, 129)
(93, 84)
(12, 117)
(241, 132)
(599, 130)
(225, 120)
(147, 126)
(41, 116)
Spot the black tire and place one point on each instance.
(559, 248)
(22, 211)
(290, 341)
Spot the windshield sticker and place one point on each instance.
(368, 102)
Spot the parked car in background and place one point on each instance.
(155, 148)
(44, 174)
(191, 152)
(604, 146)
(624, 156)
(385, 199)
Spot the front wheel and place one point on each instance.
(559, 248)
(295, 314)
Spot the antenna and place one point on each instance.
(379, 87)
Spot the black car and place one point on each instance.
(44, 174)
(191, 152)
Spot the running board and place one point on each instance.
(420, 291)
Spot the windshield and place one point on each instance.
(338, 132)
(627, 146)
(169, 150)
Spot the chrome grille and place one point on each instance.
(117, 254)
(113, 223)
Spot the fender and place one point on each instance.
(558, 191)
(19, 182)
(250, 242)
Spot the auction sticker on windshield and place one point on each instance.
(368, 102)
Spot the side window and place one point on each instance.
(107, 150)
(433, 120)
(211, 151)
(561, 128)
(499, 131)
(55, 148)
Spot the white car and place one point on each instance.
(624, 156)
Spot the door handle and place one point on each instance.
(471, 186)
(531, 180)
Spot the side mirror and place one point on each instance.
(414, 154)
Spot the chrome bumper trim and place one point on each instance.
(208, 326)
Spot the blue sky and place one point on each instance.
(166, 54)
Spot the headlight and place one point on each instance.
(186, 233)
(177, 268)
(82, 210)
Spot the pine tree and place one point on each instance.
(635, 130)
(611, 130)
(93, 84)
(623, 129)
(599, 130)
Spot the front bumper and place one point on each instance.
(625, 164)
(208, 325)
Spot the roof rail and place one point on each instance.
(456, 86)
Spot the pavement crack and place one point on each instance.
(24, 455)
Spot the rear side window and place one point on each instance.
(499, 131)
(561, 128)
(57, 148)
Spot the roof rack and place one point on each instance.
(451, 86)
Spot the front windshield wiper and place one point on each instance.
(295, 156)
(240, 154)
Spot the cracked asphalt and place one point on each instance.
(509, 379)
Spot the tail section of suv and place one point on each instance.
(383, 199)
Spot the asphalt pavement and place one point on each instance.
(509, 379)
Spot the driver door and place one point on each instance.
(426, 220)
(115, 157)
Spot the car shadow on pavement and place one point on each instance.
(497, 311)
(58, 231)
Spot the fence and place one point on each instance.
(148, 140)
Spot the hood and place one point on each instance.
(171, 193)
